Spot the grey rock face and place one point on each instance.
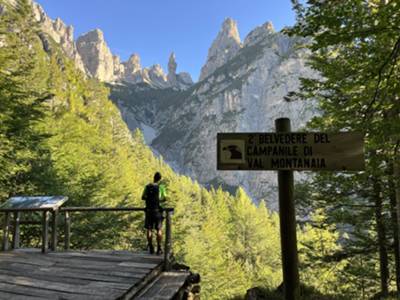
(182, 80)
(133, 69)
(259, 33)
(60, 33)
(225, 46)
(93, 57)
(96, 55)
(157, 76)
(172, 65)
(245, 94)
(119, 70)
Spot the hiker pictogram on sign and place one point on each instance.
(232, 151)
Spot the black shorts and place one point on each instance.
(153, 219)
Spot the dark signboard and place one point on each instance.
(290, 151)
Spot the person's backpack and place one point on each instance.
(152, 197)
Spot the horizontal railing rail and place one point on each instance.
(82, 209)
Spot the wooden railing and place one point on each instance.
(67, 226)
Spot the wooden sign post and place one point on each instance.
(285, 151)
(287, 221)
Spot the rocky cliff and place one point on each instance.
(243, 89)
(225, 46)
(93, 57)
(60, 33)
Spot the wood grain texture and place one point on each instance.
(29, 274)
(164, 287)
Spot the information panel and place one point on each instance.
(53, 202)
(290, 151)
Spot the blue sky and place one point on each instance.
(154, 28)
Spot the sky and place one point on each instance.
(155, 28)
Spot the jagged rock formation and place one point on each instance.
(242, 88)
(225, 46)
(96, 55)
(182, 80)
(259, 33)
(101, 64)
(132, 69)
(156, 76)
(244, 94)
(94, 58)
(60, 33)
(172, 65)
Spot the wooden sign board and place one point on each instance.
(51, 202)
(290, 151)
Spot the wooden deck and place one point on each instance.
(29, 274)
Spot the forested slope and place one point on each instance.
(60, 134)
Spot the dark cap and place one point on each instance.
(157, 177)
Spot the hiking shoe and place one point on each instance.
(151, 249)
(159, 251)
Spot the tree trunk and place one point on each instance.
(395, 229)
(380, 229)
(396, 179)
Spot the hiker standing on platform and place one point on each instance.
(154, 193)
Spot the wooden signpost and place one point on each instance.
(285, 151)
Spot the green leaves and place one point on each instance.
(355, 47)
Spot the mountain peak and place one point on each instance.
(224, 47)
(229, 27)
(259, 33)
(96, 55)
(93, 35)
(172, 65)
(134, 60)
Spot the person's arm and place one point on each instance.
(144, 194)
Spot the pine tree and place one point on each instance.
(355, 47)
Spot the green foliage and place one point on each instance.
(317, 241)
(21, 106)
(235, 247)
(61, 135)
(354, 46)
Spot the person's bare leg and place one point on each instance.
(150, 240)
(159, 240)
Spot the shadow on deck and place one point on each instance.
(29, 274)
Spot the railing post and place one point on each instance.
(67, 230)
(6, 228)
(54, 231)
(45, 231)
(168, 241)
(16, 230)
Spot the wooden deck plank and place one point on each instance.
(35, 293)
(56, 286)
(129, 274)
(45, 260)
(109, 258)
(76, 273)
(73, 275)
(55, 257)
(164, 287)
(15, 296)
